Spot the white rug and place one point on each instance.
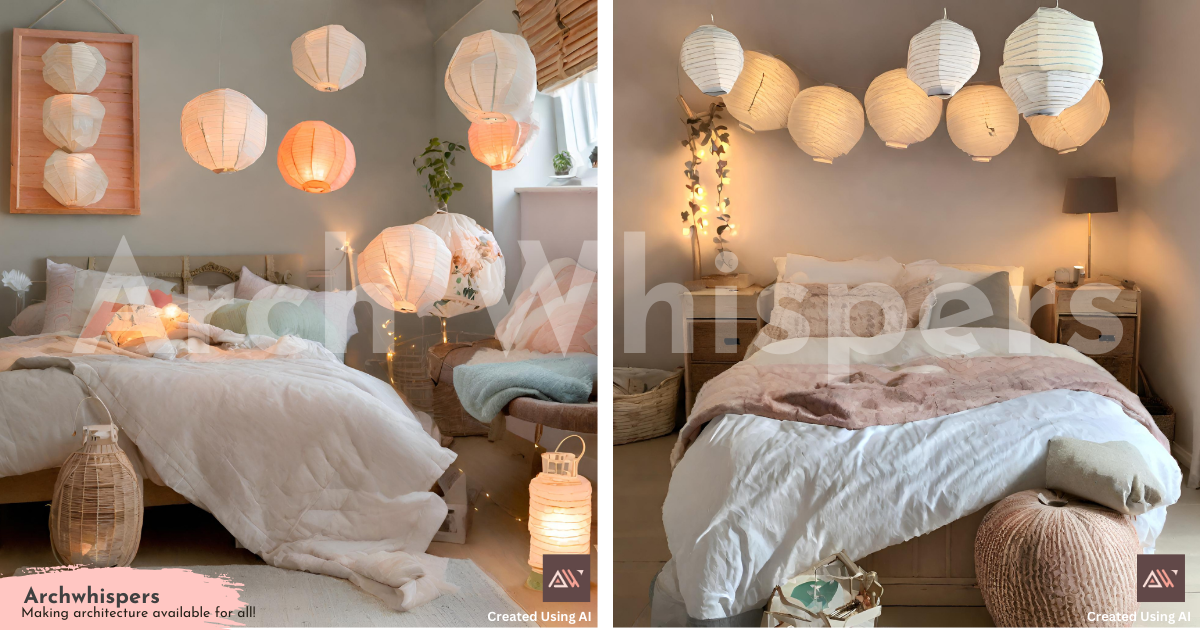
(283, 598)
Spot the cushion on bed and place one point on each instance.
(800, 269)
(336, 306)
(1113, 474)
(987, 303)
(92, 288)
(820, 310)
(29, 321)
(302, 320)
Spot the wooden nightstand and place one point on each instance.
(1107, 329)
(719, 329)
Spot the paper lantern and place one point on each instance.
(1050, 62)
(492, 77)
(900, 111)
(825, 122)
(560, 509)
(712, 58)
(74, 179)
(316, 158)
(501, 145)
(329, 58)
(763, 93)
(73, 68)
(982, 121)
(1077, 124)
(72, 121)
(942, 58)
(476, 265)
(223, 130)
(405, 268)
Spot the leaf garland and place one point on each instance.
(704, 131)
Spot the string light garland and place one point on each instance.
(705, 133)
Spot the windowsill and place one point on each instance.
(557, 189)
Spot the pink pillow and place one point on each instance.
(30, 321)
(568, 327)
(95, 327)
(161, 298)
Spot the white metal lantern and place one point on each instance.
(405, 268)
(223, 130)
(900, 111)
(501, 145)
(492, 77)
(942, 58)
(73, 68)
(982, 121)
(763, 93)
(560, 508)
(74, 179)
(826, 122)
(1050, 62)
(712, 58)
(72, 121)
(476, 265)
(329, 58)
(1077, 124)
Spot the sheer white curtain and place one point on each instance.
(577, 118)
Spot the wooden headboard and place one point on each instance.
(205, 271)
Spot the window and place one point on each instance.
(577, 118)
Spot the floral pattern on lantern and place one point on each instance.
(74, 179)
(405, 268)
(492, 77)
(329, 58)
(560, 508)
(316, 158)
(900, 111)
(476, 265)
(73, 68)
(72, 121)
(763, 93)
(1077, 124)
(712, 58)
(223, 130)
(826, 122)
(501, 145)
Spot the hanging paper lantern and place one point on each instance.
(223, 130)
(826, 122)
(476, 265)
(763, 93)
(316, 158)
(329, 58)
(1077, 124)
(900, 111)
(982, 121)
(942, 58)
(405, 268)
(712, 58)
(492, 77)
(560, 509)
(501, 145)
(74, 179)
(72, 121)
(73, 68)
(1050, 62)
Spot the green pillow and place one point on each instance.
(302, 320)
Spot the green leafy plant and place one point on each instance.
(562, 163)
(438, 158)
(705, 132)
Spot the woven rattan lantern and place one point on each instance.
(223, 130)
(492, 77)
(501, 145)
(74, 179)
(712, 58)
(73, 68)
(826, 122)
(763, 93)
(900, 111)
(72, 121)
(329, 58)
(476, 265)
(982, 121)
(1077, 124)
(942, 58)
(1050, 62)
(316, 158)
(405, 268)
(560, 508)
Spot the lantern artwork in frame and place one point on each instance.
(560, 510)
(73, 68)
(72, 121)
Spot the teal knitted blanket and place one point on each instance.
(485, 388)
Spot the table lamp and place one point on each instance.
(1090, 195)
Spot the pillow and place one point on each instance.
(568, 316)
(970, 274)
(336, 306)
(100, 319)
(799, 269)
(951, 303)
(60, 288)
(818, 311)
(29, 321)
(1016, 280)
(92, 288)
(1113, 474)
(302, 320)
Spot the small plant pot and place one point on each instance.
(563, 173)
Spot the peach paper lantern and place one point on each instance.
(405, 268)
(223, 130)
(560, 508)
(316, 158)
(501, 145)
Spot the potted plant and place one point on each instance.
(439, 157)
(562, 164)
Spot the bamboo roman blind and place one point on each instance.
(562, 36)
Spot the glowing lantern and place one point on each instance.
(223, 130)
(942, 58)
(476, 265)
(72, 121)
(73, 68)
(763, 93)
(405, 268)
(74, 179)
(826, 122)
(1077, 124)
(501, 145)
(329, 58)
(492, 77)
(1050, 62)
(982, 121)
(712, 58)
(316, 158)
(560, 508)
(900, 111)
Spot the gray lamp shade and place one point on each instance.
(1090, 195)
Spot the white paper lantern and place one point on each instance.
(72, 121)
(982, 121)
(405, 268)
(826, 122)
(492, 77)
(900, 111)
(763, 93)
(1050, 62)
(74, 179)
(1077, 124)
(73, 68)
(501, 145)
(712, 58)
(329, 58)
(560, 509)
(223, 130)
(942, 58)
(476, 265)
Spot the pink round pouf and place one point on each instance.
(1044, 565)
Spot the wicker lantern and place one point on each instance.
(72, 121)
(329, 58)
(712, 58)
(942, 58)
(501, 145)
(223, 130)
(316, 158)
(476, 269)
(492, 77)
(826, 122)
(982, 121)
(74, 179)
(1050, 62)
(763, 93)
(560, 508)
(900, 111)
(405, 268)
(73, 68)
(1077, 124)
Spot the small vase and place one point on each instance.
(20, 303)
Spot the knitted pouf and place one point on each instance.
(1044, 565)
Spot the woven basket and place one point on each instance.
(647, 415)
(408, 368)
(448, 412)
(1160, 410)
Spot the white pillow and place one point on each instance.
(338, 306)
(29, 321)
(89, 285)
(801, 269)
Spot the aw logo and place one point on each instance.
(1160, 578)
(569, 578)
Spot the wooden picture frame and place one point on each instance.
(117, 150)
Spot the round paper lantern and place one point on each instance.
(476, 265)
(316, 158)
(73, 68)
(74, 179)
(982, 121)
(826, 122)
(329, 58)
(492, 77)
(72, 121)
(900, 111)
(1050, 62)
(560, 510)
(223, 130)
(763, 93)
(712, 58)
(405, 268)
(501, 145)
(1077, 124)
(942, 58)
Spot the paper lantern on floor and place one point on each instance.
(72, 121)
(982, 121)
(1050, 62)
(900, 111)
(74, 179)
(405, 268)
(476, 265)
(763, 93)
(316, 158)
(560, 508)
(1077, 124)
(492, 77)
(501, 145)
(942, 58)
(329, 58)
(73, 68)
(712, 58)
(826, 122)
(223, 130)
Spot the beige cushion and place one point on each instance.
(1113, 474)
